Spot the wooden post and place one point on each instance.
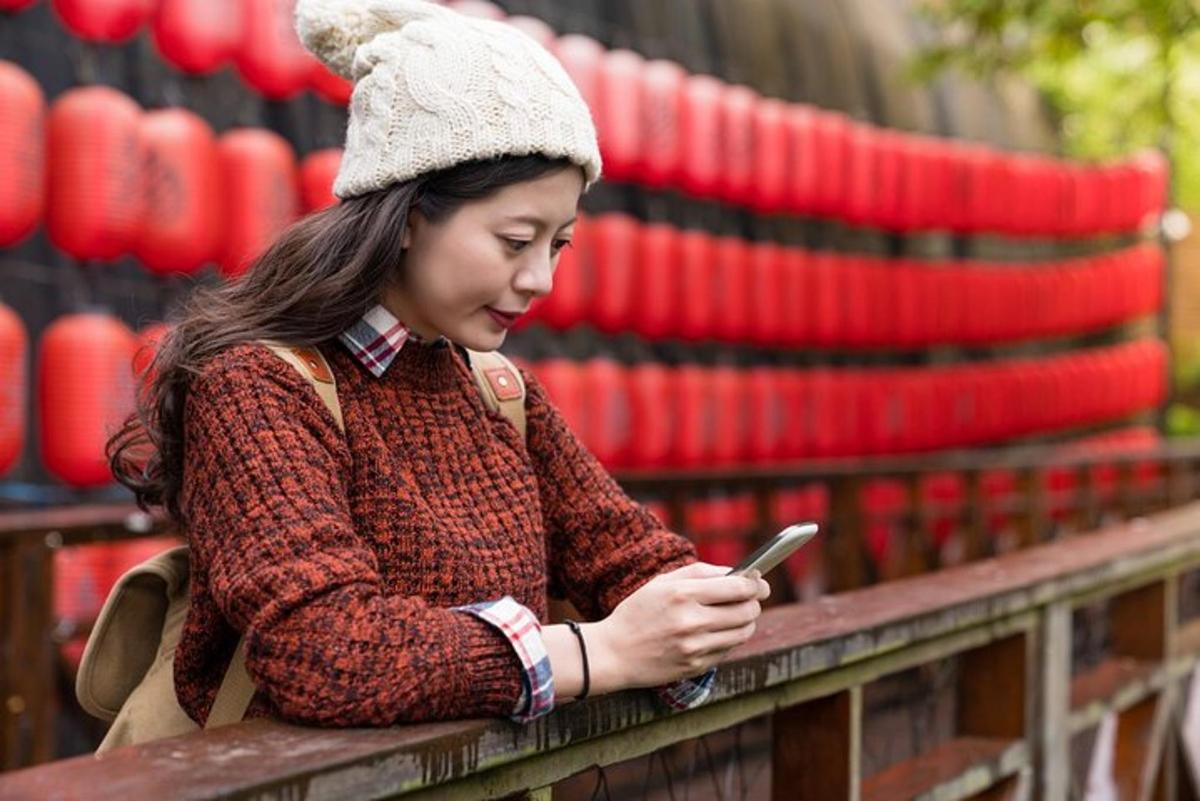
(817, 749)
(27, 666)
(1053, 757)
(845, 543)
(1032, 521)
(975, 513)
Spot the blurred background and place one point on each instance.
(830, 232)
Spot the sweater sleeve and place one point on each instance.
(268, 519)
(601, 544)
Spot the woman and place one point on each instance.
(399, 572)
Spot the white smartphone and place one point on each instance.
(776, 549)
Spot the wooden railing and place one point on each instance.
(28, 539)
(1005, 622)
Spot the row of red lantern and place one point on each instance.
(662, 283)
(649, 415)
(662, 127)
(656, 416)
(201, 36)
(113, 180)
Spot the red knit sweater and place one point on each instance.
(340, 557)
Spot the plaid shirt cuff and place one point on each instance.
(687, 693)
(523, 630)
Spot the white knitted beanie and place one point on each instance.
(434, 88)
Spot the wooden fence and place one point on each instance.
(1006, 621)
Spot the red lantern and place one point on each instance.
(581, 57)
(614, 241)
(539, 31)
(330, 86)
(662, 105)
(700, 162)
(657, 263)
(197, 36)
(606, 402)
(269, 55)
(181, 227)
(650, 415)
(567, 302)
(738, 105)
(618, 121)
(563, 382)
(95, 193)
(478, 8)
(258, 171)
(22, 153)
(317, 172)
(85, 392)
(14, 382)
(111, 21)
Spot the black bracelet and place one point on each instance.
(583, 649)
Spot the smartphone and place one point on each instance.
(776, 549)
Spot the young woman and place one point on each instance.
(399, 571)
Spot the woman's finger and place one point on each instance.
(722, 589)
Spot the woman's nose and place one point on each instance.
(536, 277)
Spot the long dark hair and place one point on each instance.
(314, 282)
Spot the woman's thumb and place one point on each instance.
(702, 570)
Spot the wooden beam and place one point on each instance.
(817, 749)
(27, 666)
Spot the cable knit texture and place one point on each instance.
(340, 557)
(434, 88)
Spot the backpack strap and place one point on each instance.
(237, 689)
(310, 363)
(501, 385)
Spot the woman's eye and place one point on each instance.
(516, 244)
(559, 244)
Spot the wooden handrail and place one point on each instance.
(1006, 618)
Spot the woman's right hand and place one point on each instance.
(677, 625)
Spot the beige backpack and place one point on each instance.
(127, 671)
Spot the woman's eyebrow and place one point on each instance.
(535, 221)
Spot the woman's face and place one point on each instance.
(497, 254)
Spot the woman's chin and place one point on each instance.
(482, 339)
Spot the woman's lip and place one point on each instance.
(503, 318)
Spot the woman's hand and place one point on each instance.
(677, 625)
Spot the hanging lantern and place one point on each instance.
(110, 21)
(22, 153)
(14, 382)
(259, 178)
(317, 172)
(94, 159)
(330, 86)
(538, 30)
(269, 56)
(197, 36)
(478, 8)
(181, 226)
(85, 392)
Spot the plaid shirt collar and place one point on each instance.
(377, 337)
